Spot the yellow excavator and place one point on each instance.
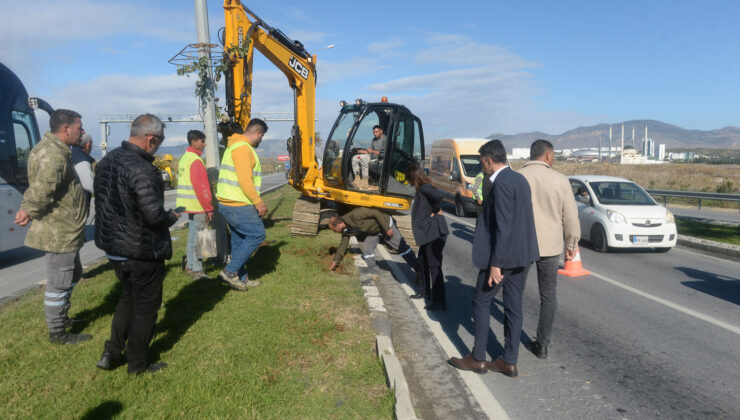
(331, 183)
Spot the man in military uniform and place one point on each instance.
(55, 205)
(370, 226)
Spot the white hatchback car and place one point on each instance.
(617, 213)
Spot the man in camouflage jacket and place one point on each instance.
(370, 226)
(54, 204)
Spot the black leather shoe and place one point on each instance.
(417, 296)
(436, 307)
(108, 361)
(537, 349)
(74, 323)
(68, 338)
(152, 368)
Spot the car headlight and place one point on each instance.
(615, 217)
(669, 217)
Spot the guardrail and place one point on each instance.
(697, 195)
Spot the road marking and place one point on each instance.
(654, 298)
(478, 388)
(669, 304)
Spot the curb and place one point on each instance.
(710, 246)
(395, 379)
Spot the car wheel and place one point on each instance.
(663, 250)
(598, 239)
(459, 209)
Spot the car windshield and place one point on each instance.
(470, 164)
(621, 193)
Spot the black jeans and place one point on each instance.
(136, 312)
(547, 279)
(430, 270)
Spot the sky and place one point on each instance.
(467, 69)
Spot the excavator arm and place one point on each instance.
(243, 32)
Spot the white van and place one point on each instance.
(453, 166)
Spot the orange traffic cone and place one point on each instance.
(573, 268)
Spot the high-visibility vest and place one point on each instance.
(185, 192)
(478, 186)
(228, 183)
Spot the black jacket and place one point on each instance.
(130, 219)
(426, 228)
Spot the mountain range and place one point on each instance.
(674, 137)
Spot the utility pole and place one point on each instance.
(609, 153)
(209, 117)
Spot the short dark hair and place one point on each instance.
(378, 127)
(539, 148)
(194, 135)
(61, 117)
(495, 150)
(256, 122)
(146, 124)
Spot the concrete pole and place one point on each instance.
(104, 138)
(209, 117)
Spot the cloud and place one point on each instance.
(385, 46)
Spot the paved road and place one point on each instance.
(23, 268)
(726, 217)
(645, 336)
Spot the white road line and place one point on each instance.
(672, 305)
(654, 298)
(480, 391)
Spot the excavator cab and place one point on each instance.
(381, 174)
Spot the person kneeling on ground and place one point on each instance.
(370, 226)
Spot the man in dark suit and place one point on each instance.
(504, 247)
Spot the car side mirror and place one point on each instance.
(584, 200)
(455, 176)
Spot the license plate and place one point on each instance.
(640, 240)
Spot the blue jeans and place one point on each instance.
(196, 223)
(247, 234)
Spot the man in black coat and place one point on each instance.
(132, 227)
(504, 247)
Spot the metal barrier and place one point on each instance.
(697, 195)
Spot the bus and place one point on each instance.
(19, 132)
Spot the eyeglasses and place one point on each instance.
(157, 136)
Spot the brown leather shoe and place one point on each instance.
(468, 363)
(499, 365)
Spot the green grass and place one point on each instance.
(719, 233)
(299, 346)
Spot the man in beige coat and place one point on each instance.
(556, 223)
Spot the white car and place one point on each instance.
(616, 213)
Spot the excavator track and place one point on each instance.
(306, 212)
(404, 226)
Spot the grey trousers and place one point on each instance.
(396, 242)
(547, 280)
(63, 271)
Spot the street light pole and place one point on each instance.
(209, 117)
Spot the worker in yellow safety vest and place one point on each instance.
(194, 194)
(239, 202)
(478, 191)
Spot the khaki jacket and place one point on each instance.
(362, 221)
(555, 212)
(54, 199)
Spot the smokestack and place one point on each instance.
(609, 153)
(633, 135)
